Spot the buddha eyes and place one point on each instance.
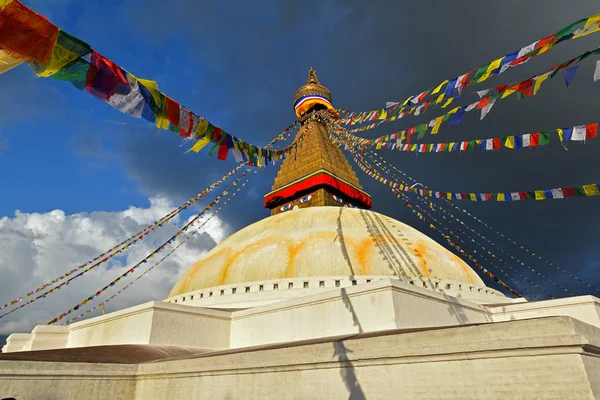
(305, 199)
(286, 207)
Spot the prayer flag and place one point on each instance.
(538, 82)
(104, 78)
(570, 74)
(579, 133)
(597, 71)
(510, 142)
(591, 130)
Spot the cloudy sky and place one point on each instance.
(78, 176)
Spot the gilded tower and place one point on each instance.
(317, 174)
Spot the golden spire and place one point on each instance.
(312, 77)
(317, 174)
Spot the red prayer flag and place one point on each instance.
(483, 102)
(591, 130)
(172, 111)
(542, 43)
(568, 192)
(496, 143)
(523, 195)
(501, 88)
(534, 139)
(488, 196)
(26, 35)
(223, 150)
(104, 77)
(526, 87)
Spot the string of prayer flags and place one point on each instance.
(51, 52)
(458, 249)
(173, 250)
(147, 258)
(527, 250)
(450, 234)
(580, 133)
(119, 248)
(500, 65)
(384, 164)
(528, 87)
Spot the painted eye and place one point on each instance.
(337, 199)
(305, 199)
(286, 207)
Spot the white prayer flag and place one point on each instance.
(597, 71)
(557, 194)
(526, 139)
(131, 104)
(489, 144)
(471, 106)
(515, 196)
(391, 104)
(482, 93)
(527, 49)
(486, 109)
(578, 133)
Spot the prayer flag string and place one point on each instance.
(453, 237)
(528, 87)
(528, 251)
(51, 52)
(449, 88)
(125, 244)
(494, 256)
(152, 254)
(193, 232)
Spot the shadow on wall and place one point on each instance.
(347, 371)
(392, 250)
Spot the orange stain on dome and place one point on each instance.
(362, 251)
(465, 268)
(420, 251)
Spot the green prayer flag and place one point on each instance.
(471, 145)
(568, 29)
(421, 129)
(173, 128)
(480, 72)
(579, 191)
(520, 96)
(544, 138)
(530, 195)
(75, 72)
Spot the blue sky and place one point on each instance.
(238, 64)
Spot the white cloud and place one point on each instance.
(36, 248)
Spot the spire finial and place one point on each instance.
(312, 77)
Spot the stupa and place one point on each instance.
(324, 299)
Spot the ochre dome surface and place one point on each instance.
(323, 241)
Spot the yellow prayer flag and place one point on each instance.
(591, 190)
(437, 89)
(383, 114)
(560, 134)
(539, 195)
(507, 93)
(449, 196)
(501, 197)
(162, 122)
(591, 20)
(413, 147)
(473, 196)
(378, 146)
(454, 110)
(7, 62)
(450, 146)
(448, 102)
(538, 82)
(201, 127)
(436, 127)
(494, 65)
(440, 98)
(510, 142)
(393, 118)
(200, 144)
(152, 87)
